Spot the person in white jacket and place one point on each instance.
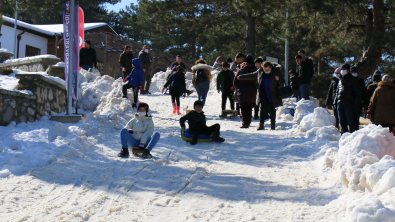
(139, 132)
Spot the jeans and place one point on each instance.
(267, 108)
(202, 90)
(225, 96)
(135, 91)
(304, 91)
(246, 112)
(87, 67)
(127, 140)
(347, 118)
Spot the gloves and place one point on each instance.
(163, 90)
(130, 131)
(140, 87)
(125, 79)
(142, 146)
(184, 95)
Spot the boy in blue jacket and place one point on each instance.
(134, 81)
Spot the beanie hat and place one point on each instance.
(385, 76)
(145, 105)
(346, 67)
(198, 103)
(88, 41)
(377, 76)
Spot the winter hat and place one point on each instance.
(198, 103)
(346, 67)
(145, 105)
(337, 70)
(88, 41)
(385, 76)
(354, 69)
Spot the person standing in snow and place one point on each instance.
(197, 124)
(382, 104)
(304, 77)
(134, 81)
(201, 77)
(308, 72)
(372, 87)
(139, 132)
(293, 78)
(269, 81)
(178, 62)
(218, 63)
(125, 60)
(146, 59)
(258, 63)
(225, 85)
(363, 101)
(331, 95)
(177, 85)
(246, 93)
(347, 100)
(88, 58)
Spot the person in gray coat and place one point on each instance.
(146, 59)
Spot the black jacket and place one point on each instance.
(304, 71)
(195, 120)
(332, 92)
(348, 92)
(176, 64)
(145, 59)
(125, 60)
(176, 82)
(364, 93)
(88, 57)
(294, 82)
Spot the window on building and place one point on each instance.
(32, 51)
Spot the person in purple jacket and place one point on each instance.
(134, 81)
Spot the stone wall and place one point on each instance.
(31, 64)
(18, 107)
(5, 55)
(48, 96)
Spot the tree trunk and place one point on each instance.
(374, 42)
(250, 30)
(320, 64)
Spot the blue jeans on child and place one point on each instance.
(202, 89)
(127, 140)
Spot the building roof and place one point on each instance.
(53, 29)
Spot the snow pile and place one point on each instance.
(4, 50)
(319, 118)
(91, 92)
(302, 109)
(58, 129)
(27, 59)
(60, 64)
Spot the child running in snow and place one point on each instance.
(177, 88)
(197, 124)
(139, 132)
(134, 81)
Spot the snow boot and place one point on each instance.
(178, 110)
(217, 138)
(195, 139)
(273, 126)
(261, 126)
(124, 153)
(244, 126)
(146, 154)
(174, 108)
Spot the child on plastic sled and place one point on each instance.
(134, 80)
(139, 132)
(197, 124)
(176, 81)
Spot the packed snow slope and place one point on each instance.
(303, 171)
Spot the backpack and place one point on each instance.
(201, 75)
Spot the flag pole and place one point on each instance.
(71, 68)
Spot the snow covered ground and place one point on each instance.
(303, 171)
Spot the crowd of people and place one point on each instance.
(252, 84)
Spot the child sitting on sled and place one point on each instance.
(197, 124)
